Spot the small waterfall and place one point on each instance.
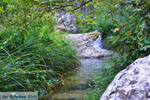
(98, 43)
(99, 46)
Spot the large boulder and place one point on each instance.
(88, 45)
(66, 20)
(132, 83)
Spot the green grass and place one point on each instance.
(34, 57)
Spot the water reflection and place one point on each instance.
(78, 83)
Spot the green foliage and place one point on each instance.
(132, 37)
(103, 23)
(84, 19)
(33, 58)
(125, 24)
(32, 54)
(30, 49)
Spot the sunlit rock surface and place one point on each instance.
(66, 20)
(132, 83)
(60, 28)
(89, 45)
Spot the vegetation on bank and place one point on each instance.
(125, 24)
(33, 57)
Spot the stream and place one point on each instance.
(77, 85)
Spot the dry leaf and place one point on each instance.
(129, 33)
(116, 29)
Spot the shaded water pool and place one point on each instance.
(77, 85)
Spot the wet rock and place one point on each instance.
(132, 83)
(89, 45)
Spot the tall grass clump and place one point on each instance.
(33, 57)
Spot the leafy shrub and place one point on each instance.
(130, 38)
(127, 33)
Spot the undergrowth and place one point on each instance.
(125, 25)
(32, 58)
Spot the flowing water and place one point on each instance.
(78, 84)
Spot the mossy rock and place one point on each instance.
(94, 35)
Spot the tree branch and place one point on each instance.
(62, 7)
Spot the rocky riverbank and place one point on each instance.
(88, 45)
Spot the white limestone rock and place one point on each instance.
(132, 83)
(67, 20)
(86, 46)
